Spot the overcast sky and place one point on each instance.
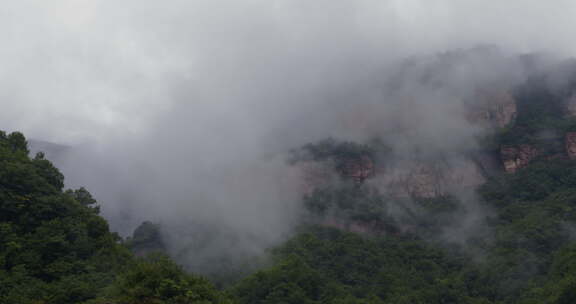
(76, 70)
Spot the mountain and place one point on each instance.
(486, 214)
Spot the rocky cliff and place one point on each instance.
(571, 105)
(359, 169)
(517, 157)
(400, 178)
(570, 144)
(430, 179)
(493, 110)
(527, 125)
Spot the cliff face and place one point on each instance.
(571, 106)
(320, 174)
(431, 179)
(359, 169)
(315, 175)
(517, 157)
(400, 178)
(570, 144)
(416, 179)
(490, 109)
(493, 110)
(506, 110)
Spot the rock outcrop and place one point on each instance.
(493, 110)
(570, 144)
(146, 239)
(517, 157)
(315, 175)
(416, 179)
(400, 178)
(431, 179)
(359, 169)
(571, 106)
(506, 110)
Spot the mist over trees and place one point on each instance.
(357, 241)
(57, 249)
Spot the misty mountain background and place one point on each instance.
(193, 97)
(186, 113)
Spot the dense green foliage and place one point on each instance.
(146, 239)
(55, 248)
(158, 280)
(349, 202)
(326, 265)
(542, 118)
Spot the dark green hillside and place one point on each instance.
(55, 248)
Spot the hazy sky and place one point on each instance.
(79, 69)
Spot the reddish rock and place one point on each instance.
(571, 105)
(424, 181)
(318, 174)
(315, 175)
(430, 179)
(359, 170)
(517, 157)
(496, 109)
(570, 143)
(506, 110)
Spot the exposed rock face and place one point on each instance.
(517, 157)
(464, 174)
(315, 175)
(571, 106)
(570, 143)
(401, 178)
(417, 179)
(359, 170)
(506, 109)
(431, 179)
(319, 174)
(494, 110)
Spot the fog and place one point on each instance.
(182, 111)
